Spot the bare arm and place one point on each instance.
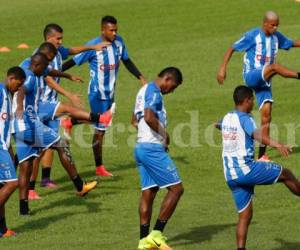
(266, 140)
(72, 97)
(296, 43)
(134, 122)
(155, 125)
(20, 99)
(221, 76)
(57, 73)
(79, 49)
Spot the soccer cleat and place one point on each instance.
(106, 117)
(145, 245)
(87, 187)
(8, 233)
(33, 195)
(101, 171)
(66, 124)
(264, 158)
(157, 239)
(48, 183)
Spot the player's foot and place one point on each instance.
(157, 239)
(33, 195)
(106, 117)
(66, 124)
(145, 245)
(8, 233)
(48, 183)
(87, 187)
(264, 158)
(101, 171)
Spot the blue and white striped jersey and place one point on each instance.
(49, 94)
(5, 117)
(149, 97)
(104, 66)
(260, 49)
(238, 145)
(33, 90)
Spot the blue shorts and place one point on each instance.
(262, 173)
(99, 106)
(31, 142)
(155, 166)
(47, 110)
(262, 88)
(7, 167)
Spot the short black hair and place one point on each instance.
(108, 19)
(173, 72)
(39, 58)
(50, 28)
(47, 47)
(17, 72)
(241, 93)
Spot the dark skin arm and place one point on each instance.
(221, 76)
(155, 125)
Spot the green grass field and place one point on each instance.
(192, 35)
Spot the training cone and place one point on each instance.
(4, 49)
(23, 46)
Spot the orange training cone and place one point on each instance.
(4, 49)
(23, 46)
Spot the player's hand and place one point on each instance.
(76, 79)
(102, 45)
(143, 80)
(75, 99)
(284, 150)
(221, 76)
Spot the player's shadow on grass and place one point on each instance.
(196, 235)
(287, 245)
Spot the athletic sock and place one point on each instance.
(46, 171)
(241, 248)
(31, 185)
(144, 230)
(24, 208)
(3, 227)
(298, 75)
(94, 117)
(78, 183)
(160, 225)
(262, 150)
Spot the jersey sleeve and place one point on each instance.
(284, 42)
(152, 99)
(248, 124)
(65, 52)
(83, 57)
(244, 43)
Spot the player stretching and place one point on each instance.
(8, 177)
(156, 168)
(104, 67)
(261, 46)
(241, 171)
(32, 136)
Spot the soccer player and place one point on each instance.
(261, 46)
(104, 67)
(8, 177)
(156, 168)
(32, 136)
(53, 33)
(241, 171)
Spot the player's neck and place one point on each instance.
(242, 109)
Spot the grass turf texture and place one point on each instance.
(192, 35)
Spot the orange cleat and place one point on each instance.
(67, 125)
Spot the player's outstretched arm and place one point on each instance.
(221, 76)
(78, 49)
(134, 121)
(284, 150)
(74, 98)
(20, 100)
(68, 64)
(57, 73)
(130, 66)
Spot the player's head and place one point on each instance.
(15, 78)
(243, 96)
(170, 78)
(48, 49)
(270, 22)
(109, 28)
(53, 33)
(38, 63)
